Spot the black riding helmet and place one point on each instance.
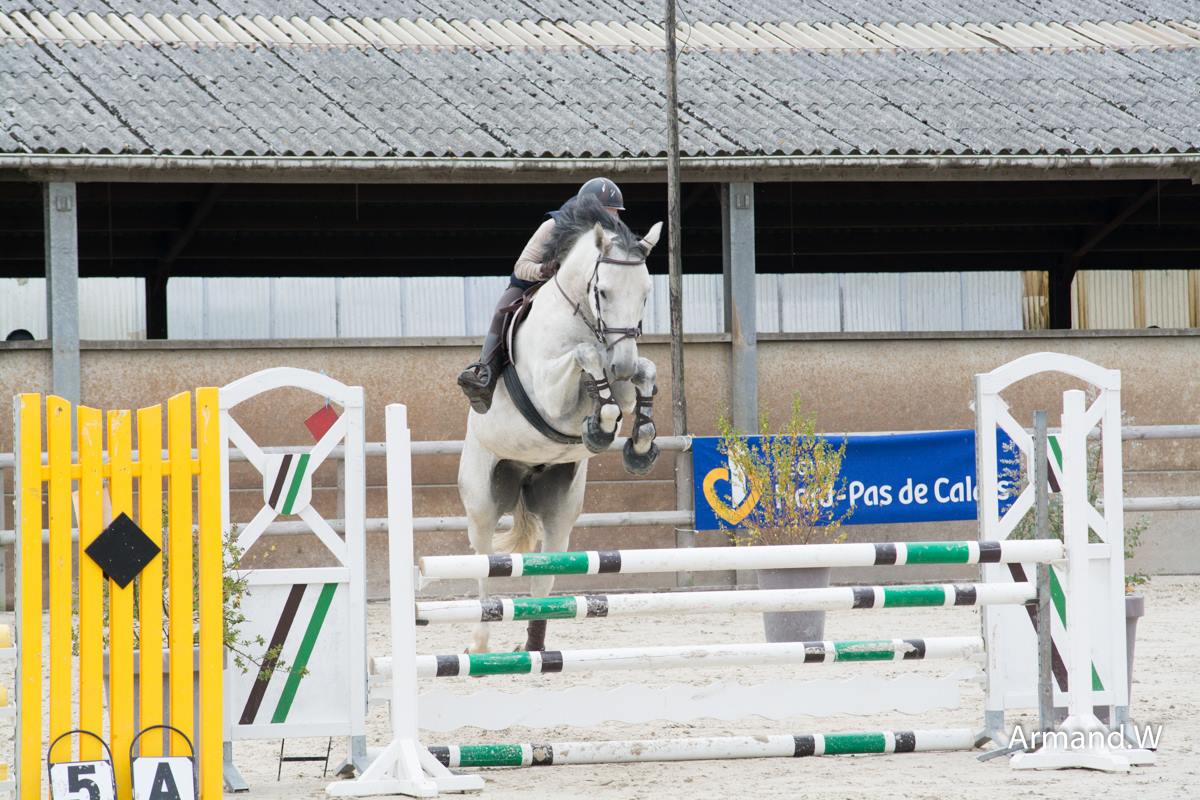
(605, 191)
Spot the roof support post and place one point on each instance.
(741, 299)
(156, 282)
(1061, 278)
(62, 287)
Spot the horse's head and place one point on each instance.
(604, 273)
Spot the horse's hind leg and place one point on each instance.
(477, 490)
(640, 451)
(556, 496)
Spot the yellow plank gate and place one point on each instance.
(107, 468)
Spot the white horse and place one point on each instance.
(577, 374)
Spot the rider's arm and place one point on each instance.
(529, 265)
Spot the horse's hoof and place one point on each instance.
(639, 463)
(595, 438)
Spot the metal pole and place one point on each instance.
(62, 287)
(1044, 606)
(683, 462)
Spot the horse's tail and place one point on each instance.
(526, 530)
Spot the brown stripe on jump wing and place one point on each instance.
(1058, 667)
(280, 479)
(286, 617)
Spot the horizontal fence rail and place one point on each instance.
(687, 656)
(703, 748)
(674, 518)
(625, 562)
(597, 606)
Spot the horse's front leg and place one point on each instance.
(600, 427)
(640, 451)
(477, 487)
(557, 497)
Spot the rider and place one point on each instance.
(478, 381)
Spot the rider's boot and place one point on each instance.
(478, 381)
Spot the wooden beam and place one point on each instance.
(156, 284)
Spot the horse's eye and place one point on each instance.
(603, 295)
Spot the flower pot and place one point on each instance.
(794, 626)
(1135, 609)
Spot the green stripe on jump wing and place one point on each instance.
(849, 743)
(938, 553)
(529, 608)
(297, 481)
(913, 596)
(554, 564)
(303, 653)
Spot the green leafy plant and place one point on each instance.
(794, 473)
(1027, 527)
(247, 651)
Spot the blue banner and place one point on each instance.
(889, 478)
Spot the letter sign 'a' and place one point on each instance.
(164, 778)
(82, 780)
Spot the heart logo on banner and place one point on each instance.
(731, 515)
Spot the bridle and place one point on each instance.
(597, 327)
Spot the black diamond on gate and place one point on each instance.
(122, 550)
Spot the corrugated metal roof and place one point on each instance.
(385, 32)
(811, 11)
(358, 86)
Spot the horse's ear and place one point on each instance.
(604, 239)
(651, 237)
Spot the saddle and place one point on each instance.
(514, 315)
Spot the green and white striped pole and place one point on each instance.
(697, 749)
(623, 605)
(626, 562)
(688, 656)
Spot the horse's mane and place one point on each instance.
(577, 217)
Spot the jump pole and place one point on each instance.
(628, 562)
(688, 656)
(702, 749)
(594, 606)
(405, 766)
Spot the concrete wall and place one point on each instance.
(852, 383)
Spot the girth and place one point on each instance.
(529, 411)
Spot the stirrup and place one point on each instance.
(478, 383)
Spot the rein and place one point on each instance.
(598, 328)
